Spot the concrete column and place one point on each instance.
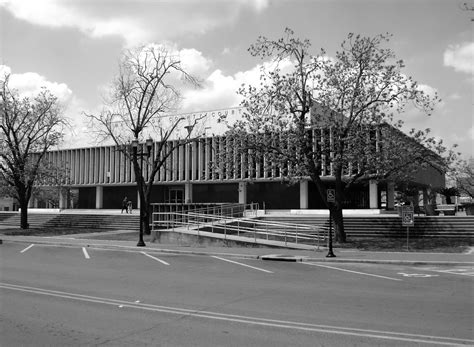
(303, 194)
(426, 197)
(62, 199)
(188, 192)
(390, 195)
(33, 203)
(99, 197)
(242, 192)
(373, 194)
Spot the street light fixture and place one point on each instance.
(189, 128)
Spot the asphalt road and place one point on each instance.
(70, 296)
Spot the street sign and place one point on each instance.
(408, 216)
(331, 195)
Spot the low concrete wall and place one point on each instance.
(193, 240)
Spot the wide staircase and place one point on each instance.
(74, 219)
(242, 224)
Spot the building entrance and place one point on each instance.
(175, 196)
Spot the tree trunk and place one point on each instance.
(336, 208)
(155, 234)
(340, 234)
(24, 215)
(146, 220)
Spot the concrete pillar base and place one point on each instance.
(303, 194)
(373, 194)
(242, 192)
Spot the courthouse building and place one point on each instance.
(102, 176)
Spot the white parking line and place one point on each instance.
(398, 337)
(234, 262)
(86, 255)
(356, 272)
(152, 257)
(466, 271)
(27, 248)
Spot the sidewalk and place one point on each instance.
(342, 255)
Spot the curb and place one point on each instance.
(283, 257)
(271, 257)
(389, 262)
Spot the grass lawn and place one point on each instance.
(443, 245)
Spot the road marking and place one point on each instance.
(356, 272)
(416, 275)
(27, 248)
(466, 271)
(266, 322)
(234, 262)
(86, 255)
(152, 257)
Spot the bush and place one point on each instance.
(469, 209)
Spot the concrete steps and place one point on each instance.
(74, 220)
(360, 226)
(391, 226)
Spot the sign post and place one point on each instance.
(331, 198)
(408, 219)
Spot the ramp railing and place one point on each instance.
(232, 220)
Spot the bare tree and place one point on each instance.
(463, 175)
(29, 128)
(324, 116)
(141, 105)
(53, 182)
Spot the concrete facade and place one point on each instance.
(206, 170)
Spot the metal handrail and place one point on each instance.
(300, 233)
(222, 207)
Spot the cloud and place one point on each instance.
(454, 96)
(460, 57)
(226, 51)
(29, 84)
(257, 5)
(220, 90)
(134, 21)
(194, 62)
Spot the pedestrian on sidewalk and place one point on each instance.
(125, 205)
(129, 206)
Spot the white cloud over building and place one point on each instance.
(29, 84)
(104, 18)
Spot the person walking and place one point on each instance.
(129, 206)
(125, 205)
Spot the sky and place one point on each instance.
(73, 47)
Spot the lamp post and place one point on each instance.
(149, 146)
(330, 252)
(331, 199)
